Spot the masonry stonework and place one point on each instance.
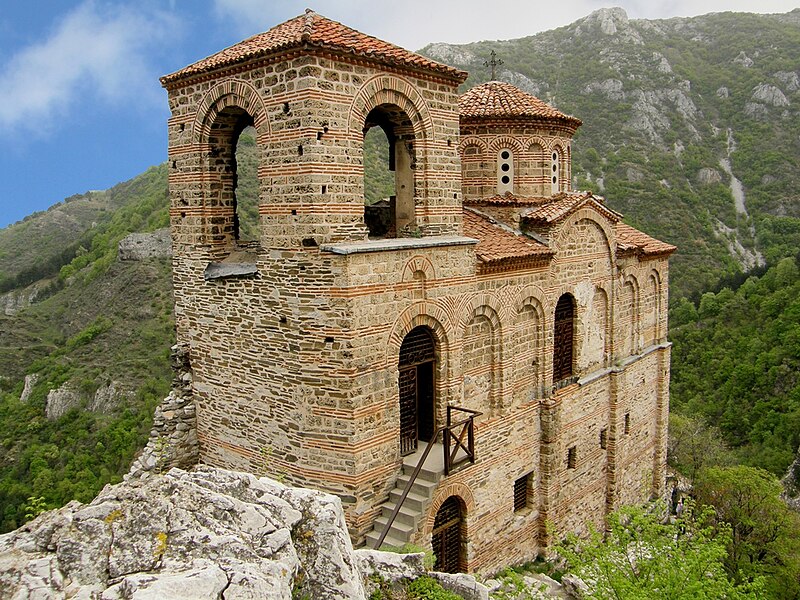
(299, 340)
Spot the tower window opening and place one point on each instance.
(572, 457)
(244, 167)
(563, 335)
(521, 492)
(389, 209)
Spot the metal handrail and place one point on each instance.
(468, 424)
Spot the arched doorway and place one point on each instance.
(447, 536)
(416, 384)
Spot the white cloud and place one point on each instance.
(91, 55)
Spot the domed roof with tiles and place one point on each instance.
(497, 99)
(315, 31)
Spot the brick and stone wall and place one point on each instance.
(531, 147)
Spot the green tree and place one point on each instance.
(765, 538)
(693, 445)
(646, 555)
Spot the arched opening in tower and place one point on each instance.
(234, 158)
(246, 191)
(388, 173)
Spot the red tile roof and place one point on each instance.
(633, 241)
(564, 204)
(317, 31)
(500, 243)
(499, 99)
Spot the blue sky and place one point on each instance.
(82, 108)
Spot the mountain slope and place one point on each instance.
(96, 347)
(680, 116)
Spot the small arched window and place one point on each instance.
(563, 338)
(505, 171)
(555, 164)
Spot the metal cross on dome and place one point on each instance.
(495, 62)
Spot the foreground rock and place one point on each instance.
(202, 534)
(207, 533)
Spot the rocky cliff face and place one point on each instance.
(206, 533)
(791, 484)
(141, 246)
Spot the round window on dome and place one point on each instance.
(555, 155)
(555, 179)
(505, 167)
(505, 154)
(505, 179)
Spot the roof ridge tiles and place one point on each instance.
(499, 99)
(313, 29)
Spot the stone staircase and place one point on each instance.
(416, 504)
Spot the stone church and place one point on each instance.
(487, 318)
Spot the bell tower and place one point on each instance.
(277, 327)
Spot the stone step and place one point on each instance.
(400, 531)
(414, 501)
(393, 542)
(425, 473)
(406, 514)
(422, 487)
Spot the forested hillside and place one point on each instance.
(736, 363)
(98, 331)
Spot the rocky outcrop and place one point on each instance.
(790, 79)
(14, 301)
(61, 400)
(450, 54)
(27, 388)
(202, 534)
(610, 88)
(650, 109)
(770, 95)
(791, 484)
(106, 398)
(140, 246)
(109, 396)
(611, 22)
(707, 176)
(743, 60)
